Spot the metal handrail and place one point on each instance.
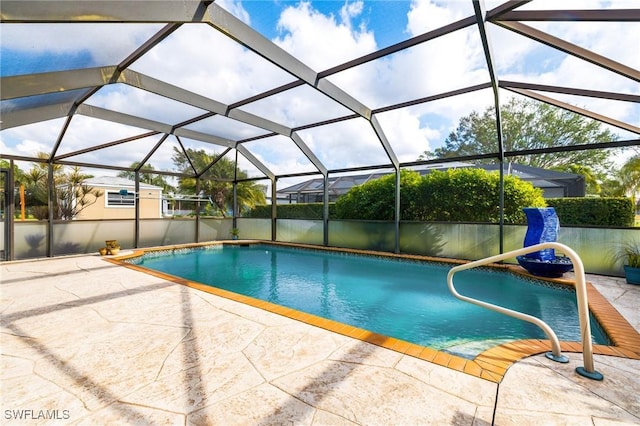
(581, 294)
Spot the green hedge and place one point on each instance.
(376, 199)
(260, 212)
(618, 211)
(462, 195)
(457, 195)
(292, 211)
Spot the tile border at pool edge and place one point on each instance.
(490, 365)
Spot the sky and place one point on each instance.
(321, 34)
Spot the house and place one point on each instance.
(554, 184)
(118, 199)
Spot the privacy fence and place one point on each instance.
(597, 246)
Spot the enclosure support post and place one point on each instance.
(197, 231)
(10, 203)
(235, 203)
(325, 211)
(136, 236)
(51, 194)
(397, 214)
(234, 222)
(274, 208)
(479, 8)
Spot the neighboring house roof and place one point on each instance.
(529, 172)
(540, 178)
(341, 184)
(117, 182)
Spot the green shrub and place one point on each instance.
(472, 195)
(462, 195)
(291, 211)
(259, 212)
(517, 195)
(611, 211)
(375, 200)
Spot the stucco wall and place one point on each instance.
(150, 207)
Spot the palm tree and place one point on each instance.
(611, 187)
(630, 177)
(250, 195)
(216, 182)
(147, 176)
(71, 194)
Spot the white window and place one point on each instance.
(120, 199)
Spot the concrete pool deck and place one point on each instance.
(85, 341)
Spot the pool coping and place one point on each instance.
(490, 365)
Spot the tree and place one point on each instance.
(147, 176)
(623, 182)
(630, 176)
(216, 182)
(470, 194)
(529, 125)
(375, 200)
(611, 187)
(18, 177)
(70, 194)
(17, 172)
(459, 195)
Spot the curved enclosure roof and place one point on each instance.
(295, 89)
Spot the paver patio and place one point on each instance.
(89, 342)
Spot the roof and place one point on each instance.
(541, 178)
(148, 78)
(117, 182)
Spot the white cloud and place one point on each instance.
(137, 102)
(447, 63)
(321, 41)
(84, 132)
(236, 9)
(429, 15)
(351, 10)
(31, 139)
(345, 144)
(31, 146)
(280, 155)
(200, 59)
(106, 44)
(407, 136)
(297, 107)
(520, 59)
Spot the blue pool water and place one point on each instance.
(407, 300)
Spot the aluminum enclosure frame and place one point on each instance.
(81, 84)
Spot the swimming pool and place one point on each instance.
(405, 299)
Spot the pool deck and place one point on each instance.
(86, 341)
